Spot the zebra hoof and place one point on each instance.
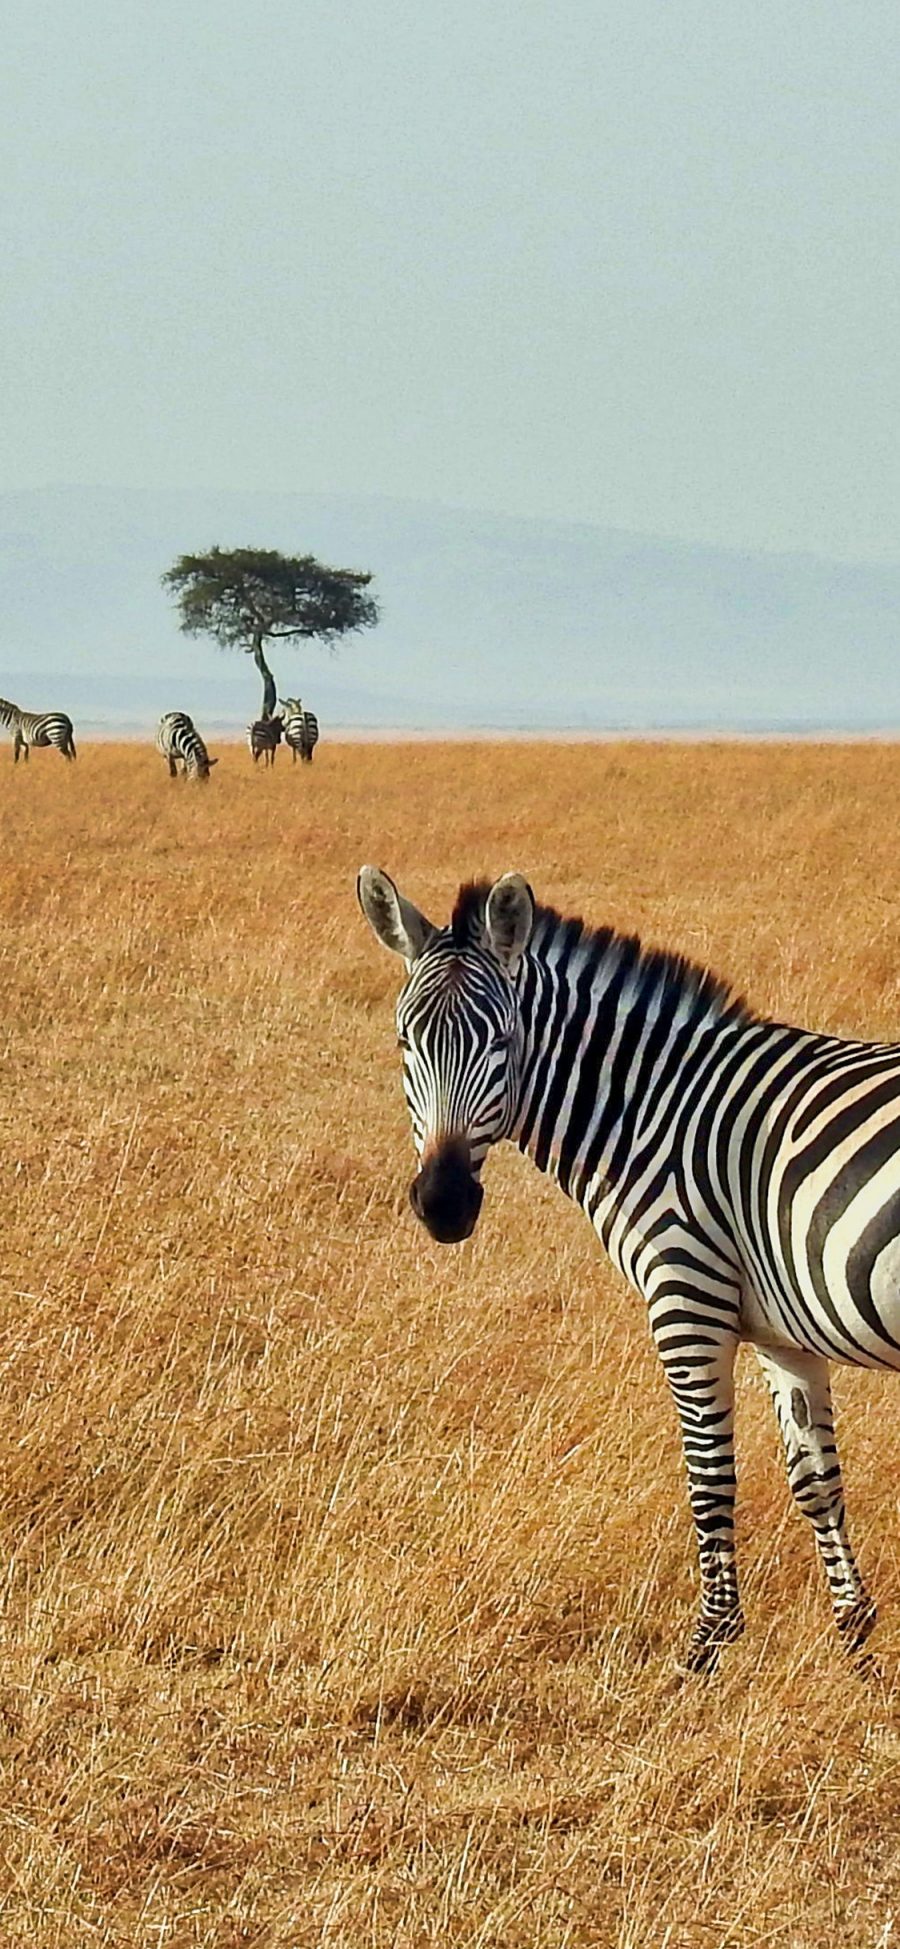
(709, 1637)
(865, 1666)
(855, 1624)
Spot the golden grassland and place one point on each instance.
(342, 1574)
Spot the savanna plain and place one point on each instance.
(343, 1575)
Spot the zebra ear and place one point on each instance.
(508, 919)
(395, 922)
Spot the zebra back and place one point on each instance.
(301, 729)
(263, 737)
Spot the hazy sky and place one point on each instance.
(635, 265)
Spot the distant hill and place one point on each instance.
(487, 622)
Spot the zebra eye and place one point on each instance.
(403, 1041)
(504, 1040)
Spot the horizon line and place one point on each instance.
(497, 734)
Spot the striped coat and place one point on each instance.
(263, 737)
(743, 1174)
(301, 729)
(180, 743)
(37, 728)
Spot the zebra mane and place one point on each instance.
(467, 918)
(648, 966)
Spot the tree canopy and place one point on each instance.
(247, 597)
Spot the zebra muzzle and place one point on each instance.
(445, 1195)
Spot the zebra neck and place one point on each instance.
(612, 1037)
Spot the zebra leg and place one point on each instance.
(173, 768)
(800, 1386)
(698, 1359)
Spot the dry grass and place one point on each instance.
(342, 1573)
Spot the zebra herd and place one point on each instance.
(181, 744)
(743, 1174)
(177, 737)
(298, 727)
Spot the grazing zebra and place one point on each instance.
(744, 1175)
(264, 737)
(37, 728)
(181, 744)
(301, 729)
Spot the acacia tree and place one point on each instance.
(248, 597)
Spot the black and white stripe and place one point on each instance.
(744, 1176)
(37, 728)
(181, 745)
(301, 729)
(264, 737)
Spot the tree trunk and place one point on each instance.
(270, 698)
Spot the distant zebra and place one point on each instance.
(301, 729)
(37, 728)
(264, 737)
(181, 744)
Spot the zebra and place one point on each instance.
(264, 737)
(37, 728)
(181, 744)
(301, 729)
(743, 1174)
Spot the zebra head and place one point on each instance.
(459, 1028)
